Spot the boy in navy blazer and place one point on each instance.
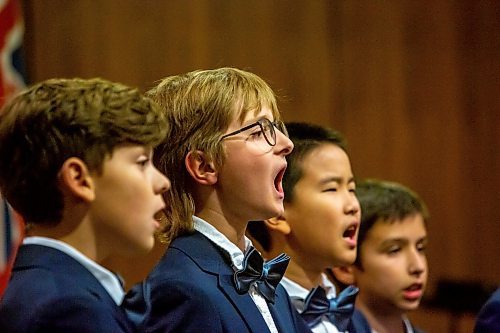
(319, 226)
(75, 162)
(391, 264)
(227, 145)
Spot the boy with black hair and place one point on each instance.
(318, 227)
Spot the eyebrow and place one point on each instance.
(254, 120)
(338, 180)
(402, 240)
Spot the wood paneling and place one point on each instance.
(413, 85)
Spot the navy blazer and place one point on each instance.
(49, 291)
(191, 290)
(359, 324)
(488, 318)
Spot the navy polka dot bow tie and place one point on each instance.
(267, 275)
(338, 310)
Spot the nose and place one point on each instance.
(162, 183)
(283, 143)
(352, 206)
(417, 262)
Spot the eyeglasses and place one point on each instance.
(267, 129)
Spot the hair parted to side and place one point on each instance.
(56, 119)
(384, 201)
(305, 137)
(200, 105)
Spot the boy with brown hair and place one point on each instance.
(75, 162)
(229, 145)
(391, 265)
(318, 227)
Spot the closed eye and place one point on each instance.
(143, 161)
(393, 250)
(256, 134)
(421, 248)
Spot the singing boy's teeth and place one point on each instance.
(350, 234)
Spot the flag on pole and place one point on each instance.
(11, 81)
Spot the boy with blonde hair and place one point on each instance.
(229, 145)
(75, 162)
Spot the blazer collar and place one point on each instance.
(39, 256)
(214, 260)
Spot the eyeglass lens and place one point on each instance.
(268, 130)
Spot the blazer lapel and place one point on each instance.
(244, 304)
(280, 312)
(212, 260)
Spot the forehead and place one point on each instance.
(326, 159)
(245, 115)
(410, 228)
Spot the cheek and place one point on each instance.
(382, 269)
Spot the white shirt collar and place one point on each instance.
(222, 241)
(296, 290)
(106, 278)
(298, 294)
(237, 256)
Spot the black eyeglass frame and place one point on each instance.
(273, 124)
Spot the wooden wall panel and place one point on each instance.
(413, 85)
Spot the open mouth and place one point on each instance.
(414, 287)
(414, 292)
(278, 181)
(350, 232)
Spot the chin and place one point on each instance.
(347, 260)
(276, 211)
(410, 306)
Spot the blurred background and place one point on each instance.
(413, 85)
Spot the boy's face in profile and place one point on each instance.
(250, 178)
(324, 213)
(127, 197)
(394, 264)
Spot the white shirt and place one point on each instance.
(298, 294)
(106, 278)
(237, 257)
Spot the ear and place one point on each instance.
(278, 224)
(201, 168)
(344, 274)
(75, 178)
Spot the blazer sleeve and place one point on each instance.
(173, 307)
(80, 315)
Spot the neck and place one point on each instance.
(78, 236)
(300, 272)
(234, 230)
(381, 321)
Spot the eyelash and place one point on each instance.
(352, 190)
(257, 134)
(393, 250)
(143, 162)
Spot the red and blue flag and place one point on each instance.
(11, 81)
